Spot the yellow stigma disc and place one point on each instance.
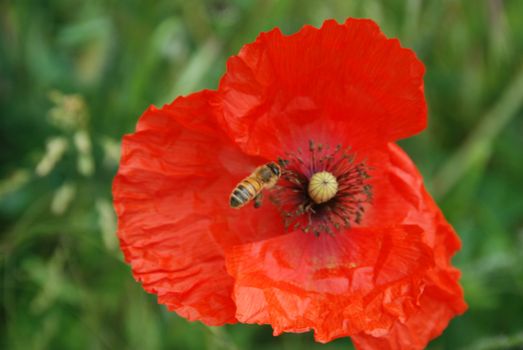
(323, 186)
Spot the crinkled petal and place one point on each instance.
(328, 283)
(361, 279)
(171, 196)
(431, 319)
(345, 78)
(442, 298)
(400, 197)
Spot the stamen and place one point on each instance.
(323, 191)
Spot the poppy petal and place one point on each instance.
(338, 285)
(171, 195)
(348, 78)
(400, 197)
(427, 322)
(294, 277)
(442, 298)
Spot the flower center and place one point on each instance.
(323, 186)
(322, 190)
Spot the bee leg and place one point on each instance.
(258, 200)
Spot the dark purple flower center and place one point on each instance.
(322, 190)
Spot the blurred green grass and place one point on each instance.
(75, 76)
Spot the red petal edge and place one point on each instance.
(171, 197)
(443, 296)
(360, 280)
(345, 78)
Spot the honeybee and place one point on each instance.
(265, 176)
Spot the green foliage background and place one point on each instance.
(74, 77)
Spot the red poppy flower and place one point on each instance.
(367, 255)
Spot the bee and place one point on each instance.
(264, 177)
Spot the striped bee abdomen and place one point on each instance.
(245, 191)
(250, 188)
